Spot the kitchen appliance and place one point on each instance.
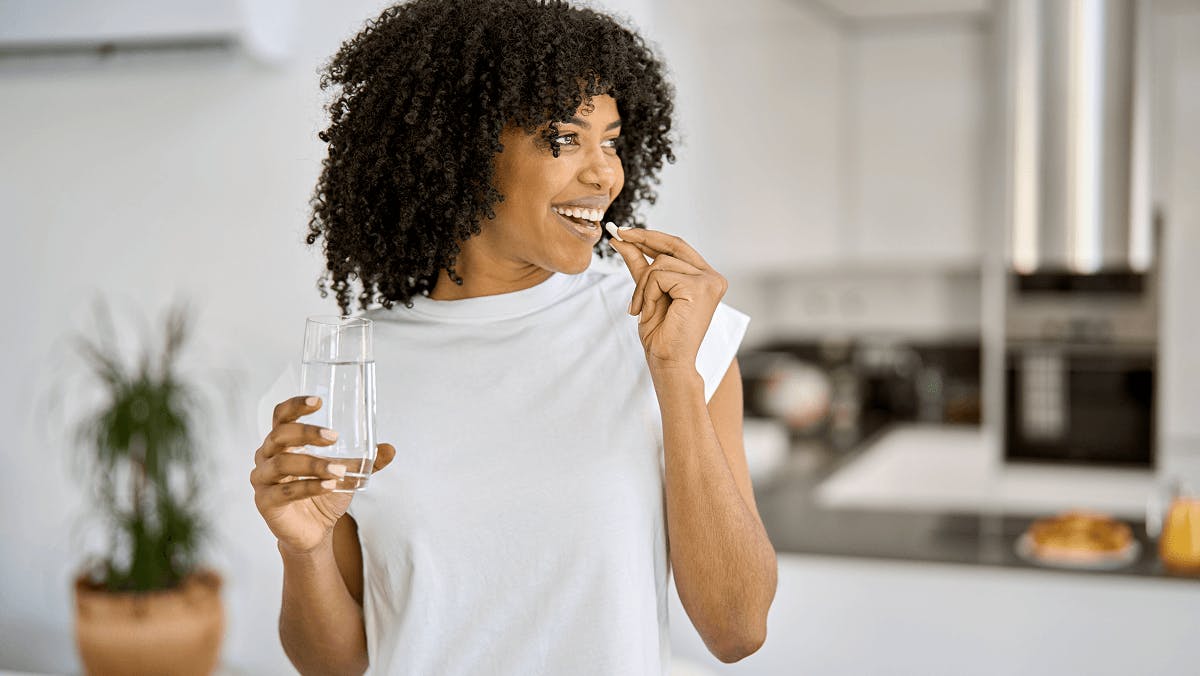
(1080, 403)
(789, 389)
(1078, 94)
(1081, 367)
(1082, 287)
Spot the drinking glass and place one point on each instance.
(338, 365)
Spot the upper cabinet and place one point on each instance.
(897, 9)
(817, 138)
(760, 115)
(915, 143)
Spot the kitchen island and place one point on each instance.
(800, 521)
(932, 592)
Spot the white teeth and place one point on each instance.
(577, 212)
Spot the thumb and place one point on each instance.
(384, 457)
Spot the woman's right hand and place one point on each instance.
(300, 512)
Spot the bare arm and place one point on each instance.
(321, 620)
(321, 624)
(724, 564)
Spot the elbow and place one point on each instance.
(739, 645)
(742, 632)
(742, 649)
(306, 663)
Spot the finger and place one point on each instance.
(278, 494)
(632, 256)
(295, 465)
(634, 261)
(656, 312)
(663, 262)
(665, 286)
(384, 456)
(292, 435)
(660, 243)
(290, 409)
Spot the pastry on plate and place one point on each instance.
(1079, 536)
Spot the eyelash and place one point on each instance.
(615, 140)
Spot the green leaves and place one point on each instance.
(139, 447)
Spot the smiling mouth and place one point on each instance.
(588, 231)
(587, 218)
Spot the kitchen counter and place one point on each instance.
(798, 523)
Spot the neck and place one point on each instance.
(484, 274)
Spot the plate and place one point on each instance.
(1024, 549)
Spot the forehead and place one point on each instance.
(603, 109)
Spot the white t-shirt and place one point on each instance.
(521, 527)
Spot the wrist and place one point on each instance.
(297, 553)
(676, 379)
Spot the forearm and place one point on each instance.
(723, 561)
(320, 624)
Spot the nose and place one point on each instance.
(598, 171)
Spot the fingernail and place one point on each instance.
(311, 401)
(625, 227)
(339, 470)
(630, 307)
(329, 483)
(612, 230)
(328, 434)
(613, 246)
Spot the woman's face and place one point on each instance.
(537, 186)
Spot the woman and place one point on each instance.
(559, 412)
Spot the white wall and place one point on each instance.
(140, 180)
(1180, 157)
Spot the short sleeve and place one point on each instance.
(720, 346)
(285, 386)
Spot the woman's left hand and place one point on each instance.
(675, 296)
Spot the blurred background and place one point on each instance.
(964, 230)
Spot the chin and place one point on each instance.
(568, 260)
(578, 264)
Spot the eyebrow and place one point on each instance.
(585, 125)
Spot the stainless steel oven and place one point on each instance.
(1081, 355)
(1081, 404)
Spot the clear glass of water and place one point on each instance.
(338, 366)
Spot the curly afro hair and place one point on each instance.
(422, 94)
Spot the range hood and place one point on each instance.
(1077, 93)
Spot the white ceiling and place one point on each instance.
(884, 9)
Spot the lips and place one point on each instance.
(588, 232)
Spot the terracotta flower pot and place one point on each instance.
(175, 631)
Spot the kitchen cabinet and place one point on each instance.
(826, 141)
(765, 144)
(834, 615)
(915, 144)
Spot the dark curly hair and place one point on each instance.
(423, 92)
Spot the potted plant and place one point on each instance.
(147, 606)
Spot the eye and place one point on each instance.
(558, 138)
